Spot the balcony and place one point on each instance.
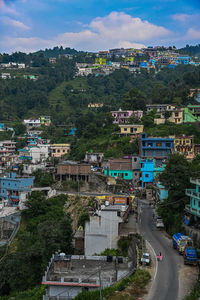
(192, 193)
(195, 181)
(192, 210)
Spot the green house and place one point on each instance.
(194, 207)
(124, 174)
(191, 113)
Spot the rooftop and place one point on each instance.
(83, 270)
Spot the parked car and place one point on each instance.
(159, 223)
(145, 258)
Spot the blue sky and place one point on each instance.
(30, 25)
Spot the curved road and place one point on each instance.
(166, 284)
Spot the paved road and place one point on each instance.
(166, 284)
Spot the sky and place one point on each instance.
(93, 25)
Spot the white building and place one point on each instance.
(32, 122)
(102, 231)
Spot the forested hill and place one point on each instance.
(191, 50)
(60, 94)
(56, 51)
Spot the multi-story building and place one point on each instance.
(160, 107)
(94, 158)
(121, 168)
(158, 148)
(121, 116)
(34, 154)
(58, 150)
(184, 145)
(147, 172)
(7, 147)
(103, 229)
(14, 189)
(192, 113)
(132, 130)
(193, 209)
(71, 170)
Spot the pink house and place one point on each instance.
(121, 116)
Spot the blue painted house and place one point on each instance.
(14, 188)
(193, 209)
(157, 148)
(147, 172)
(162, 192)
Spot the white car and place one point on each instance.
(159, 223)
(145, 258)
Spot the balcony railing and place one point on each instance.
(192, 193)
(192, 210)
(195, 181)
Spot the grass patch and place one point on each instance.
(33, 294)
(195, 294)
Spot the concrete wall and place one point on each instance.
(101, 232)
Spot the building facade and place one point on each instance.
(58, 150)
(158, 148)
(71, 170)
(147, 172)
(193, 209)
(14, 189)
(132, 130)
(184, 145)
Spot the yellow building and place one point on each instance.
(100, 61)
(129, 129)
(184, 145)
(94, 105)
(177, 116)
(58, 150)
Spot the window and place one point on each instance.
(146, 175)
(158, 144)
(58, 150)
(126, 174)
(143, 143)
(194, 202)
(150, 144)
(135, 129)
(168, 144)
(135, 159)
(176, 114)
(115, 174)
(63, 150)
(135, 174)
(187, 141)
(125, 129)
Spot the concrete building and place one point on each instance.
(121, 168)
(147, 172)
(161, 191)
(132, 130)
(136, 166)
(103, 228)
(192, 114)
(14, 189)
(158, 148)
(184, 145)
(160, 107)
(71, 170)
(58, 150)
(121, 116)
(93, 158)
(68, 275)
(175, 116)
(193, 209)
(7, 147)
(34, 155)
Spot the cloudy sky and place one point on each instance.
(30, 25)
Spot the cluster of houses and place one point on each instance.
(134, 60)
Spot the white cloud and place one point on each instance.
(181, 17)
(193, 34)
(5, 9)
(15, 23)
(114, 30)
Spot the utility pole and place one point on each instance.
(100, 287)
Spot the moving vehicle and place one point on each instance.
(181, 241)
(190, 256)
